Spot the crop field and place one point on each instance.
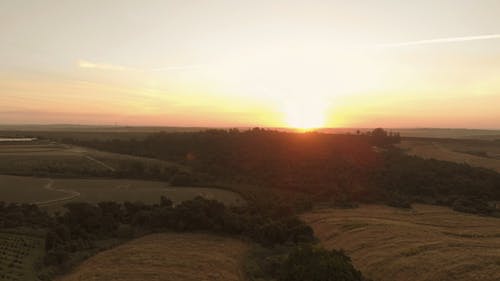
(484, 154)
(18, 255)
(476, 134)
(45, 157)
(169, 257)
(42, 157)
(425, 243)
(56, 192)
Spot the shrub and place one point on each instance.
(317, 264)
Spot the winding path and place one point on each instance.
(71, 194)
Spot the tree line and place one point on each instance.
(344, 168)
(82, 225)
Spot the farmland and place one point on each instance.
(65, 173)
(484, 154)
(180, 257)
(280, 175)
(18, 255)
(51, 158)
(425, 243)
(54, 192)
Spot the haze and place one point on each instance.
(259, 63)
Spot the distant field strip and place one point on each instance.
(442, 151)
(167, 257)
(100, 163)
(50, 158)
(56, 192)
(423, 244)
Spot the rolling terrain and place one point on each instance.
(478, 154)
(57, 192)
(167, 257)
(67, 173)
(424, 243)
(47, 157)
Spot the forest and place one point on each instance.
(345, 169)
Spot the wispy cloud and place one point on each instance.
(114, 67)
(177, 67)
(103, 66)
(440, 41)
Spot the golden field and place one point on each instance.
(458, 151)
(423, 244)
(167, 257)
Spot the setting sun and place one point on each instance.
(305, 115)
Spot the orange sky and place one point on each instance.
(260, 63)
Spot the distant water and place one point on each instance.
(16, 139)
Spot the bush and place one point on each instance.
(317, 264)
(182, 180)
(473, 206)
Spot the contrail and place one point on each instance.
(107, 66)
(439, 40)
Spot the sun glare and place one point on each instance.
(305, 115)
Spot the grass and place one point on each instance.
(53, 193)
(19, 255)
(425, 243)
(456, 151)
(49, 158)
(60, 168)
(25, 189)
(170, 256)
(43, 157)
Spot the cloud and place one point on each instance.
(114, 67)
(439, 41)
(177, 67)
(103, 66)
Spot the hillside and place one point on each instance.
(166, 257)
(479, 154)
(423, 244)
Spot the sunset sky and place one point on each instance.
(251, 63)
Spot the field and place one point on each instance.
(55, 192)
(425, 243)
(169, 257)
(47, 157)
(484, 154)
(18, 255)
(477, 134)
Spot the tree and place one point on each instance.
(317, 264)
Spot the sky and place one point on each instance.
(385, 63)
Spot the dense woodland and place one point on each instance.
(322, 163)
(342, 168)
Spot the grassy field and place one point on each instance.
(450, 133)
(179, 257)
(18, 255)
(45, 157)
(426, 243)
(478, 154)
(56, 192)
